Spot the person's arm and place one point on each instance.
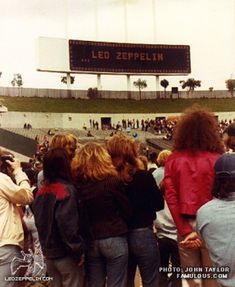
(202, 222)
(171, 196)
(67, 218)
(19, 192)
(154, 191)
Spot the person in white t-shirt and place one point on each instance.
(166, 231)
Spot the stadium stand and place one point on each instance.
(24, 141)
(18, 143)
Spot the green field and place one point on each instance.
(50, 105)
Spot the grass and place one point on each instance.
(50, 105)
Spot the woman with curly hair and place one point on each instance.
(145, 199)
(107, 211)
(188, 181)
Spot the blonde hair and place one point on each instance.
(61, 140)
(124, 152)
(162, 156)
(66, 141)
(92, 162)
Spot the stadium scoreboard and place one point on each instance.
(123, 58)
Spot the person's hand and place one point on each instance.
(191, 241)
(14, 165)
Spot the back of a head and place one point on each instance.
(197, 129)
(123, 148)
(162, 157)
(56, 164)
(60, 140)
(66, 141)
(93, 162)
(124, 152)
(224, 182)
(153, 157)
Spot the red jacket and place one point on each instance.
(188, 181)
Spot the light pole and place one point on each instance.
(68, 75)
(157, 81)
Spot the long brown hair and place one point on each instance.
(124, 152)
(197, 129)
(92, 162)
(56, 164)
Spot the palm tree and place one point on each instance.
(164, 83)
(17, 81)
(140, 84)
(64, 79)
(230, 85)
(191, 84)
(67, 80)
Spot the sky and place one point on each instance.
(208, 26)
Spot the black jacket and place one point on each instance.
(145, 198)
(57, 220)
(106, 206)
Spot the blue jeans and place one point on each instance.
(169, 252)
(65, 272)
(107, 259)
(144, 253)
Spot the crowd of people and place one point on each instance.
(157, 125)
(95, 215)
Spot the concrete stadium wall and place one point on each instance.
(82, 94)
(62, 120)
(76, 121)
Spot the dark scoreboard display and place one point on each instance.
(123, 58)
